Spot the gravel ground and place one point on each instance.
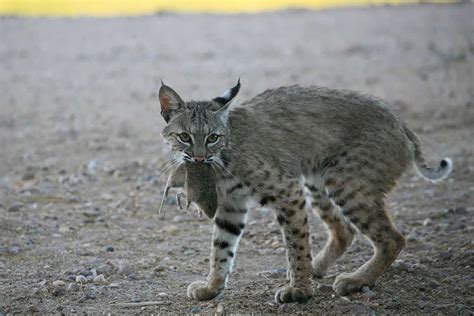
(81, 149)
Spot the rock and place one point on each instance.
(170, 229)
(64, 229)
(29, 175)
(427, 222)
(86, 273)
(14, 250)
(180, 219)
(402, 266)
(159, 268)
(100, 279)
(220, 309)
(16, 207)
(92, 166)
(446, 255)
(456, 211)
(196, 310)
(72, 287)
(81, 279)
(104, 268)
(92, 212)
(43, 283)
(433, 283)
(343, 300)
(110, 249)
(124, 269)
(368, 293)
(59, 283)
(71, 277)
(412, 237)
(58, 291)
(327, 288)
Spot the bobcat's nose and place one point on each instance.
(199, 158)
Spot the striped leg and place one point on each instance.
(372, 220)
(340, 231)
(228, 224)
(293, 220)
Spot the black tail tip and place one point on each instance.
(444, 163)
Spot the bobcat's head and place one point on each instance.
(196, 130)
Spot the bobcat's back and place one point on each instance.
(299, 128)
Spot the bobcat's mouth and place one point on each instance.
(198, 159)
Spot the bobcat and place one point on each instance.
(292, 148)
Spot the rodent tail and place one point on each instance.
(432, 174)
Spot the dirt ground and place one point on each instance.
(80, 152)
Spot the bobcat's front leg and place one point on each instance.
(292, 218)
(228, 225)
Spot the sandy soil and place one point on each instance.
(80, 150)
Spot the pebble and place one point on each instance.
(92, 165)
(325, 288)
(433, 283)
(457, 211)
(446, 255)
(81, 279)
(58, 291)
(124, 269)
(43, 283)
(59, 283)
(29, 175)
(14, 250)
(412, 237)
(15, 207)
(100, 279)
(72, 287)
(180, 219)
(196, 310)
(402, 266)
(86, 273)
(170, 229)
(110, 249)
(368, 292)
(220, 309)
(104, 268)
(91, 213)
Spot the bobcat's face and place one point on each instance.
(196, 131)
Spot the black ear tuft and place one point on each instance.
(227, 96)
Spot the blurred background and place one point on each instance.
(81, 150)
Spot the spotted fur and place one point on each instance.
(345, 149)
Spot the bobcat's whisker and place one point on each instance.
(165, 165)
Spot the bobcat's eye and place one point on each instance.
(184, 137)
(211, 139)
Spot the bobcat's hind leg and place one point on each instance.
(372, 220)
(340, 231)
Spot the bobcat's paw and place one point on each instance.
(290, 294)
(200, 291)
(319, 269)
(347, 283)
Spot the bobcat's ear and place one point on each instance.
(224, 100)
(170, 102)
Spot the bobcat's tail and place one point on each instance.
(445, 165)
